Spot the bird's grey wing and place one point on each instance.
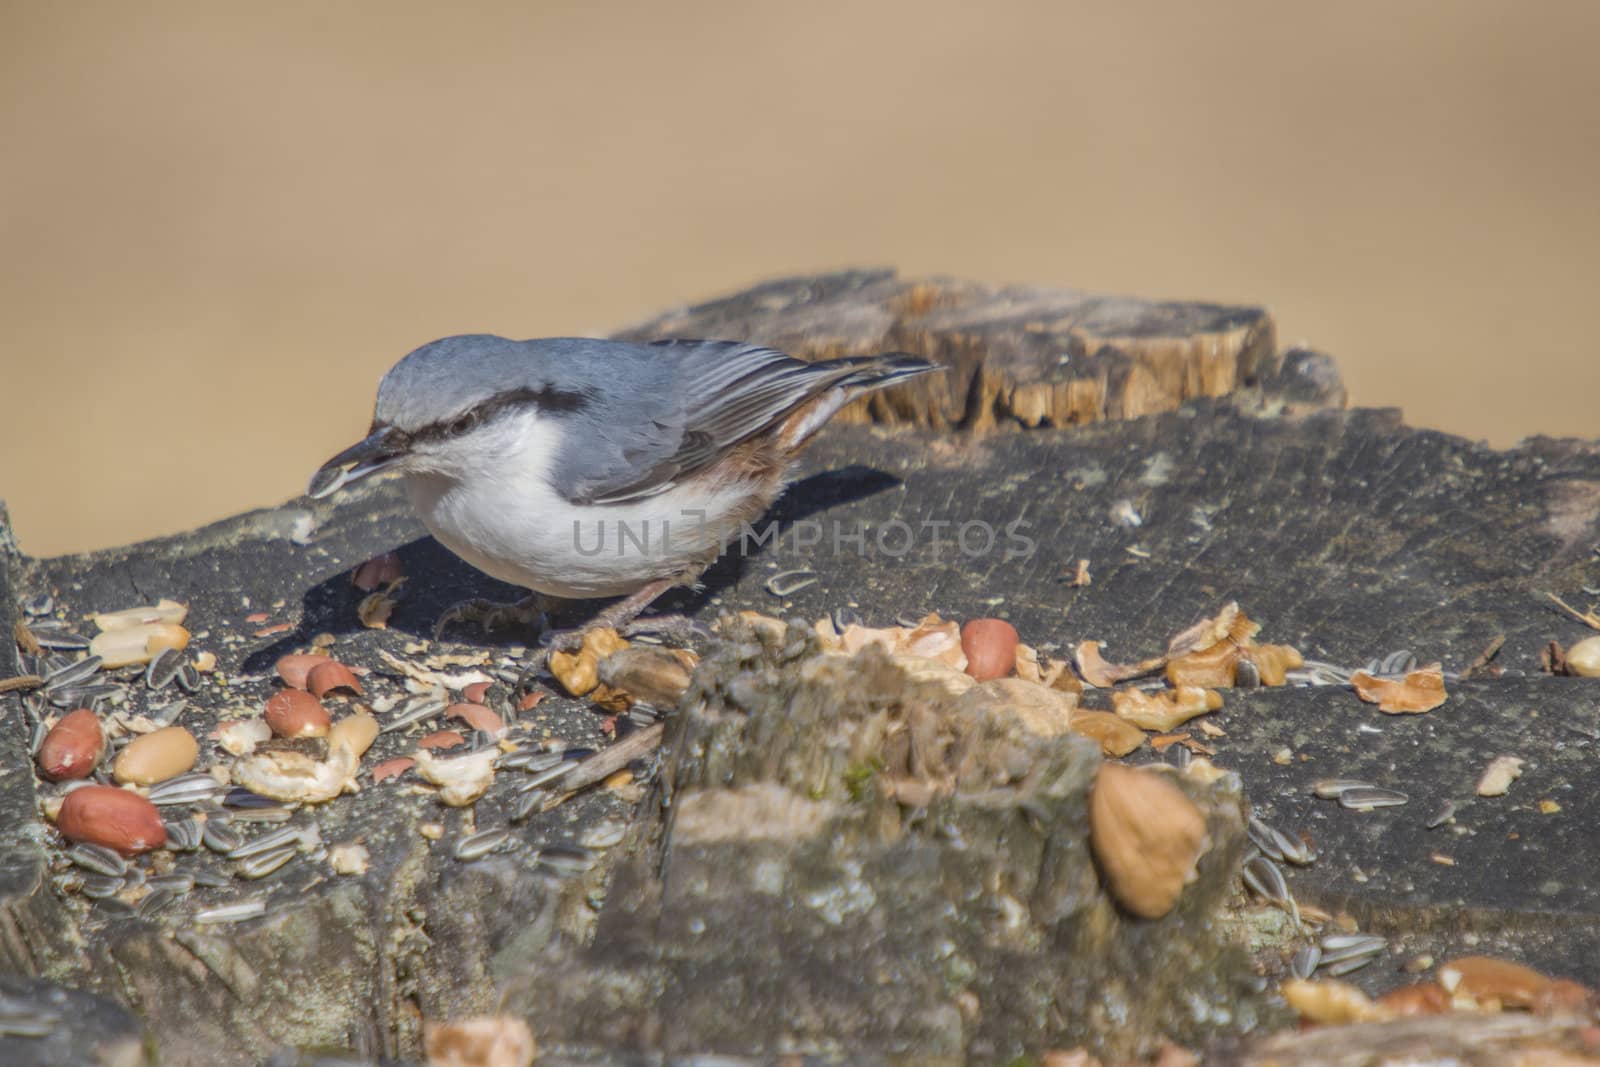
(718, 394)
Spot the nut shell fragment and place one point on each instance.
(1166, 709)
(1115, 735)
(462, 779)
(649, 673)
(1328, 1001)
(578, 672)
(328, 677)
(478, 717)
(1498, 776)
(295, 668)
(128, 618)
(1146, 836)
(1421, 690)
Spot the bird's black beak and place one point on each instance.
(382, 448)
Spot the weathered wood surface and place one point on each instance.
(1345, 533)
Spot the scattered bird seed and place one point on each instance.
(178, 883)
(259, 866)
(277, 813)
(1246, 675)
(240, 797)
(58, 640)
(220, 837)
(1343, 967)
(188, 677)
(604, 834)
(416, 711)
(99, 859)
(532, 760)
(787, 583)
(41, 730)
(85, 695)
(1303, 964)
(163, 668)
(184, 789)
(156, 901)
(266, 843)
(846, 616)
(232, 913)
(1341, 948)
(551, 774)
(101, 886)
(212, 879)
(1292, 849)
(1265, 879)
(566, 859)
(66, 676)
(1398, 663)
(1365, 798)
(40, 604)
(19, 1019)
(1334, 788)
(475, 846)
(1262, 836)
(527, 802)
(167, 714)
(1443, 814)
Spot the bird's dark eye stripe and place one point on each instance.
(548, 399)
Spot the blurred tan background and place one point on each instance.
(221, 222)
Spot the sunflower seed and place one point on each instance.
(1368, 797)
(288, 835)
(39, 604)
(1293, 849)
(531, 760)
(845, 617)
(163, 668)
(1246, 675)
(41, 730)
(153, 903)
(603, 834)
(100, 886)
(1304, 962)
(787, 583)
(240, 797)
(481, 843)
(58, 640)
(1334, 788)
(643, 715)
(1262, 836)
(167, 714)
(1401, 662)
(69, 881)
(220, 837)
(99, 859)
(262, 815)
(566, 859)
(212, 879)
(86, 695)
(178, 883)
(551, 774)
(419, 710)
(1441, 815)
(184, 789)
(188, 677)
(1336, 948)
(1344, 966)
(259, 866)
(1262, 877)
(527, 802)
(232, 913)
(72, 673)
(20, 1019)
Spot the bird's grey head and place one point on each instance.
(442, 394)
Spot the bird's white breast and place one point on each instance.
(493, 505)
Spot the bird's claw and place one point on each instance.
(491, 615)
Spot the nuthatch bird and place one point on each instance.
(582, 468)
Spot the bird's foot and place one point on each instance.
(677, 630)
(529, 612)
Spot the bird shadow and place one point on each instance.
(437, 579)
